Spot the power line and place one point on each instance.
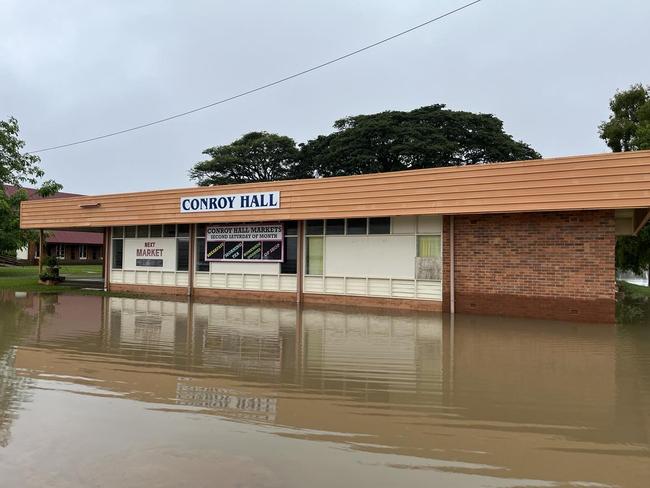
(261, 87)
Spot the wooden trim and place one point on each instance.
(154, 290)
(252, 295)
(372, 302)
(604, 181)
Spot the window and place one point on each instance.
(60, 251)
(118, 231)
(129, 231)
(335, 227)
(201, 263)
(314, 256)
(94, 251)
(118, 251)
(143, 231)
(155, 231)
(357, 226)
(169, 230)
(379, 225)
(428, 246)
(290, 263)
(182, 253)
(314, 228)
(82, 251)
(183, 230)
(291, 228)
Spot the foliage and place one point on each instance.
(256, 156)
(17, 168)
(628, 127)
(430, 136)
(633, 252)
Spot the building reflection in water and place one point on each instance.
(520, 394)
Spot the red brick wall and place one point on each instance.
(549, 265)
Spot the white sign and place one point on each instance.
(244, 232)
(150, 254)
(239, 201)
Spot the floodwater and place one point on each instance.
(116, 392)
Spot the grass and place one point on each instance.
(634, 291)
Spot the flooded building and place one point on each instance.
(533, 238)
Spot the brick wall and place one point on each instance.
(556, 265)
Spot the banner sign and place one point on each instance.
(240, 201)
(244, 242)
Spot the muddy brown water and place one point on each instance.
(116, 392)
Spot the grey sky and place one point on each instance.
(76, 69)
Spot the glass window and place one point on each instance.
(314, 256)
(335, 227)
(143, 231)
(290, 263)
(169, 230)
(155, 230)
(118, 248)
(82, 251)
(291, 228)
(200, 230)
(60, 251)
(379, 225)
(428, 246)
(314, 228)
(118, 231)
(129, 231)
(183, 230)
(357, 226)
(201, 263)
(182, 254)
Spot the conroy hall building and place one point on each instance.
(533, 239)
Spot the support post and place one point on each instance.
(40, 251)
(300, 261)
(192, 261)
(452, 297)
(106, 265)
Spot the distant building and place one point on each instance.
(68, 246)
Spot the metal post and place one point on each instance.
(452, 297)
(40, 251)
(300, 261)
(192, 259)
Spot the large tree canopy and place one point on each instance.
(257, 156)
(426, 137)
(628, 127)
(16, 168)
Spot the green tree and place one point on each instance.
(628, 127)
(427, 137)
(17, 168)
(256, 156)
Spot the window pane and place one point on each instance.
(335, 227)
(200, 230)
(129, 231)
(143, 231)
(183, 230)
(118, 231)
(315, 256)
(314, 228)
(169, 230)
(155, 231)
(201, 263)
(428, 246)
(357, 226)
(290, 264)
(118, 246)
(182, 254)
(290, 228)
(379, 225)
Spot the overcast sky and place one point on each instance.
(76, 69)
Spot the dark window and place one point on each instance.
(379, 225)
(129, 231)
(314, 228)
(94, 251)
(143, 231)
(335, 227)
(169, 230)
(200, 230)
(357, 226)
(291, 228)
(118, 231)
(290, 263)
(155, 231)
(183, 230)
(201, 263)
(118, 248)
(182, 254)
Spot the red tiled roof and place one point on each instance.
(60, 236)
(74, 237)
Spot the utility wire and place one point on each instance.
(261, 87)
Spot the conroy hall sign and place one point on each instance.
(239, 201)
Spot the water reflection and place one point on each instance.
(277, 396)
